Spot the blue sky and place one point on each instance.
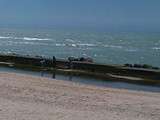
(104, 13)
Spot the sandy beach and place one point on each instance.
(25, 97)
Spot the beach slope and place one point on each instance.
(25, 97)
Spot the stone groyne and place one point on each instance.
(82, 68)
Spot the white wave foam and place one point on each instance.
(73, 45)
(35, 39)
(24, 43)
(156, 48)
(60, 45)
(25, 38)
(113, 46)
(69, 40)
(19, 43)
(3, 37)
(87, 44)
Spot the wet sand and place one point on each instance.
(25, 97)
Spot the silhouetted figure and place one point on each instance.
(54, 67)
(54, 61)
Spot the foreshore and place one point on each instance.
(25, 97)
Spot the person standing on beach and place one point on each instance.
(54, 66)
(54, 61)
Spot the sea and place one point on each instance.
(104, 47)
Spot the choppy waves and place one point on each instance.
(67, 42)
(74, 43)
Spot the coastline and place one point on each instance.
(32, 98)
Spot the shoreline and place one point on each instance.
(107, 83)
(123, 73)
(32, 98)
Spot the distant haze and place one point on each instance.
(127, 14)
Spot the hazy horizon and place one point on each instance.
(107, 14)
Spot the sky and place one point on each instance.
(93, 13)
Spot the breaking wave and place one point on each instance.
(35, 39)
(24, 43)
(25, 38)
(60, 45)
(69, 40)
(2, 37)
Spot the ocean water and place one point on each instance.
(102, 46)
